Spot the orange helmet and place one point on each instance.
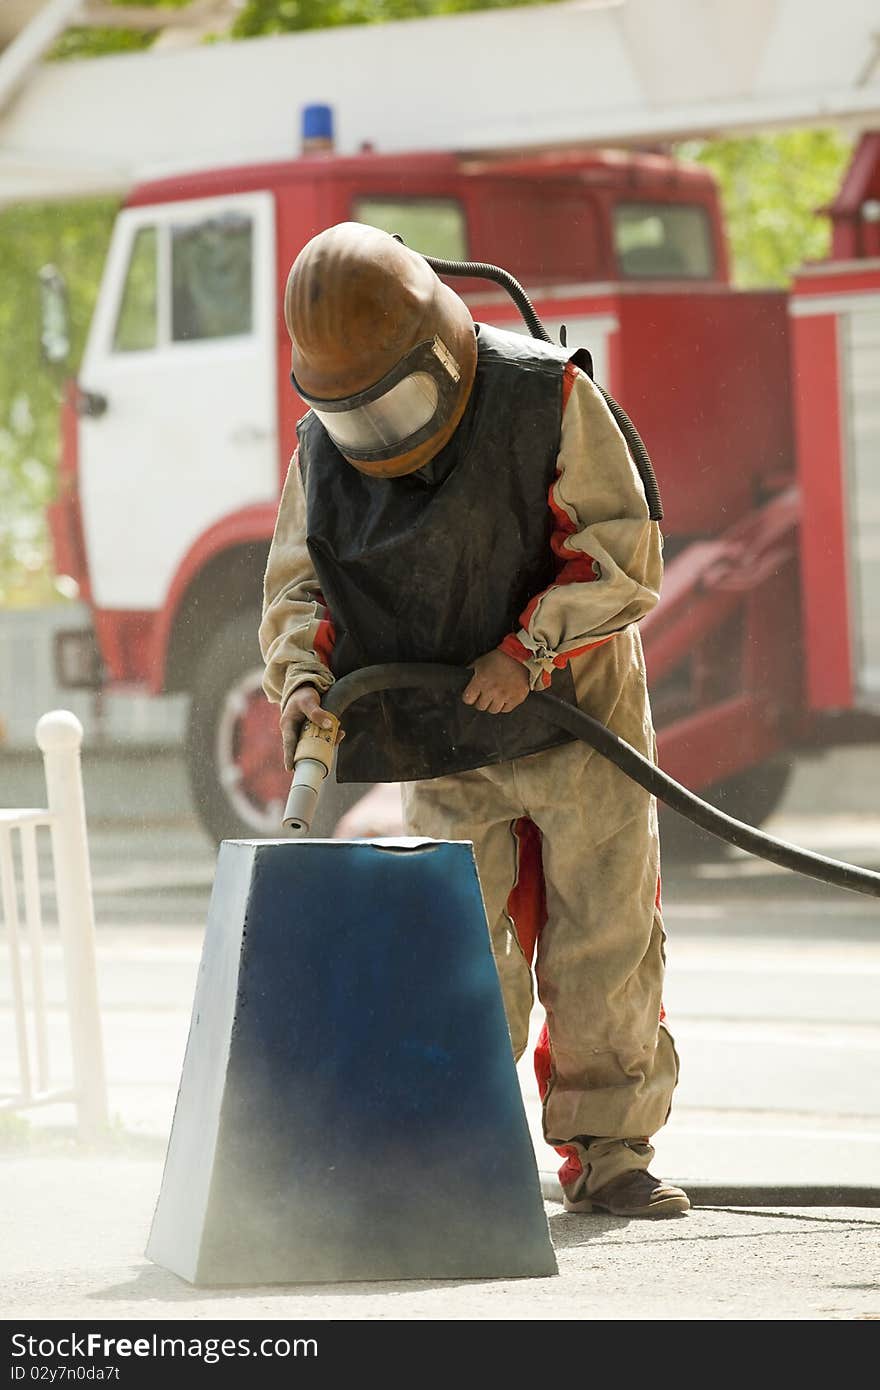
(383, 351)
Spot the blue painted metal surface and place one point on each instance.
(349, 1106)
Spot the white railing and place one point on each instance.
(59, 735)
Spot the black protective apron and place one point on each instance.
(438, 565)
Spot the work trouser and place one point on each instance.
(606, 1064)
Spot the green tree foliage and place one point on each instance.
(259, 17)
(83, 41)
(87, 41)
(772, 187)
(74, 237)
(288, 16)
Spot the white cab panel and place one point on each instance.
(592, 331)
(189, 433)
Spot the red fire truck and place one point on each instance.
(760, 411)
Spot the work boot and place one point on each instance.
(636, 1193)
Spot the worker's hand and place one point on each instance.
(498, 685)
(304, 703)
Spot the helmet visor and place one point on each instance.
(387, 422)
(407, 406)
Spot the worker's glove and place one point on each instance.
(304, 703)
(498, 685)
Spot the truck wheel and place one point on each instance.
(751, 796)
(233, 747)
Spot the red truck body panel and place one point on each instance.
(706, 378)
(64, 515)
(826, 589)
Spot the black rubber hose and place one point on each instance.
(453, 679)
(641, 457)
(483, 271)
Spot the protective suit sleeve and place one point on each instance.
(296, 632)
(608, 552)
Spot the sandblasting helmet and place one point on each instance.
(383, 351)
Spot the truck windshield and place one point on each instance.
(432, 226)
(664, 241)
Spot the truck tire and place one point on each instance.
(233, 748)
(751, 796)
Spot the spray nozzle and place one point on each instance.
(311, 763)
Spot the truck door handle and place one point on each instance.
(91, 403)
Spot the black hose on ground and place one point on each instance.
(453, 679)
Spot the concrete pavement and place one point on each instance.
(73, 1250)
(75, 1223)
(772, 993)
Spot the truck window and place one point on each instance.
(663, 241)
(211, 278)
(433, 226)
(137, 323)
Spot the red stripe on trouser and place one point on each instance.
(572, 1168)
(657, 905)
(527, 909)
(526, 904)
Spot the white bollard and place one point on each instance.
(59, 735)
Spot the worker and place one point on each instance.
(462, 494)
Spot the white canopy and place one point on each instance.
(586, 71)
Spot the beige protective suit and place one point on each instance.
(606, 1064)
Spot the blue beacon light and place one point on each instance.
(317, 129)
